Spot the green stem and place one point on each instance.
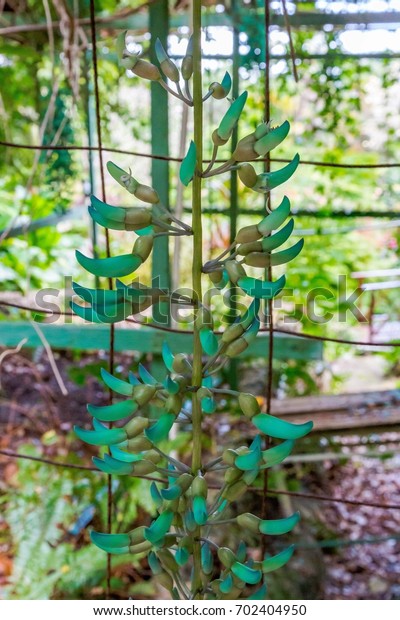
(196, 276)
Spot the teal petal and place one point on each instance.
(182, 556)
(188, 165)
(118, 174)
(270, 180)
(172, 386)
(277, 561)
(277, 527)
(200, 510)
(113, 267)
(115, 384)
(209, 341)
(272, 139)
(172, 492)
(246, 574)
(261, 289)
(168, 356)
(275, 219)
(241, 553)
(156, 495)
(190, 523)
(133, 380)
(113, 413)
(280, 429)
(277, 454)
(159, 527)
(107, 437)
(226, 584)
(98, 297)
(231, 117)
(111, 466)
(125, 457)
(280, 258)
(161, 428)
(226, 82)
(207, 560)
(208, 405)
(259, 595)
(145, 376)
(111, 541)
(106, 223)
(274, 241)
(154, 563)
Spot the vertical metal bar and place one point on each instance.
(159, 27)
(90, 129)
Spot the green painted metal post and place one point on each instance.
(159, 28)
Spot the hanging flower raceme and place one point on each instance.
(186, 508)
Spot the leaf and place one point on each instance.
(277, 561)
(277, 527)
(188, 165)
(281, 429)
(113, 413)
(261, 289)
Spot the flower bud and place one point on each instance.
(235, 271)
(168, 67)
(142, 394)
(234, 491)
(136, 426)
(232, 475)
(138, 217)
(187, 62)
(258, 259)
(249, 522)
(226, 557)
(173, 404)
(147, 194)
(245, 149)
(141, 68)
(144, 467)
(229, 456)
(217, 140)
(246, 248)
(138, 444)
(248, 234)
(167, 560)
(166, 581)
(181, 364)
(218, 92)
(249, 404)
(236, 348)
(143, 246)
(199, 487)
(247, 175)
